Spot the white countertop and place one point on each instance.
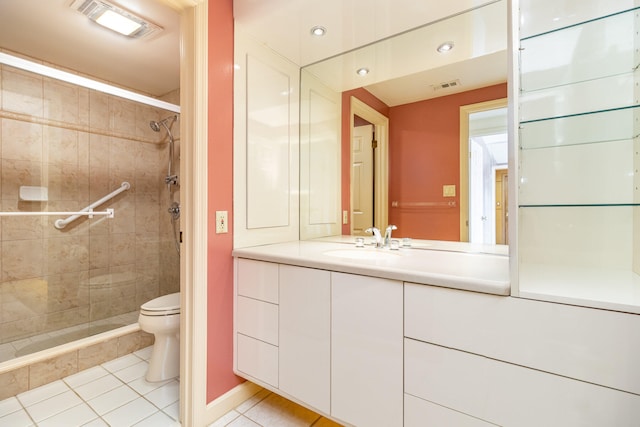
(471, 271)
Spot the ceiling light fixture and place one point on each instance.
(115, 18)
(445, 47)
(362, 71)
(318, 31)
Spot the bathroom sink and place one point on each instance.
(362, 253)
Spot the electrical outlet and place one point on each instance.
(221, 222)
(345, 217)
(449, 190)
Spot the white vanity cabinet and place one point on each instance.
(366, 350)
(256, 320)
(331, 341)
(305, 335)
(515, 362)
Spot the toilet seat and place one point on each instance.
(162, 306)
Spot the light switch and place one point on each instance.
(449, 190)
(221, 222)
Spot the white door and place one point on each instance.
(362, 179)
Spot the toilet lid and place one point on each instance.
(163, 303)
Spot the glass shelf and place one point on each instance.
(603, 47)
(586, 128)
(544, 16)
(579, 153)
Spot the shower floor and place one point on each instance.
(37, 343)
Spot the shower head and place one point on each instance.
(155, 126)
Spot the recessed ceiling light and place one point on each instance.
(117, 22)
(318, 31)
(115, 18)
(445, 47)
(362, 71)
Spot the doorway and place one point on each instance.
(375, 181)
(363, 152)
(483, 152)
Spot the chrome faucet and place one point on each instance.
(376, 235)
(387, 235)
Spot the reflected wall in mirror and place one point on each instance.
(422, 101)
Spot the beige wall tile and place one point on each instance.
(19, 172)
(14, 382)
(133, 342)
(97, 354)
(21, 140)
(21, 92)
(61, 101)
(53, 369)
(22, 259)
(99, 111)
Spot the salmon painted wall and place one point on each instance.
(424, 155)
(220, 376)
(382, 108)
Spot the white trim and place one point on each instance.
(465, 112)
(76, 79)
(381, 166)
(193, 197)
(230, 400)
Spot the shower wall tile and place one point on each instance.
(99, 118)
(60, 146)
(21, 140)
(67, 254)
(20, 228)
(19, 172)
(22, 259)
(23, 299)
(62, 101)
(97, 354)
(14, 382)
(123, 249)
(129, 343)
(123, 116)
(53, 369)
(100, 250)
(122, 157)
(21, 92)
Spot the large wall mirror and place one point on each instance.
(442, 90)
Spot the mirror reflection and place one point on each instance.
(411, 123)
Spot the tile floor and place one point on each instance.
(267, 409)
(116, 394)
(112, 394)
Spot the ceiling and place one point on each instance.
(50, 31)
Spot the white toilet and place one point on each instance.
(161, 317)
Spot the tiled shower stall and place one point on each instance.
(58, 285)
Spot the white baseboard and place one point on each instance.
(234, 397)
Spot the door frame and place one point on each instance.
(381, 163)
(465, 112)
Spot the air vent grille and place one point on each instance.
(452, 84)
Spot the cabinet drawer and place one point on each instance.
(257, 279)
(257, 319)
(420, 413)
(511, 395)
(257, 359)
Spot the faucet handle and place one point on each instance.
(391, 227)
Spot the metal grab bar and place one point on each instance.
(108, 212)
(450, 204)
(61, 223)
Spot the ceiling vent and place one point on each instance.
(452, 84)
(97, 10)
